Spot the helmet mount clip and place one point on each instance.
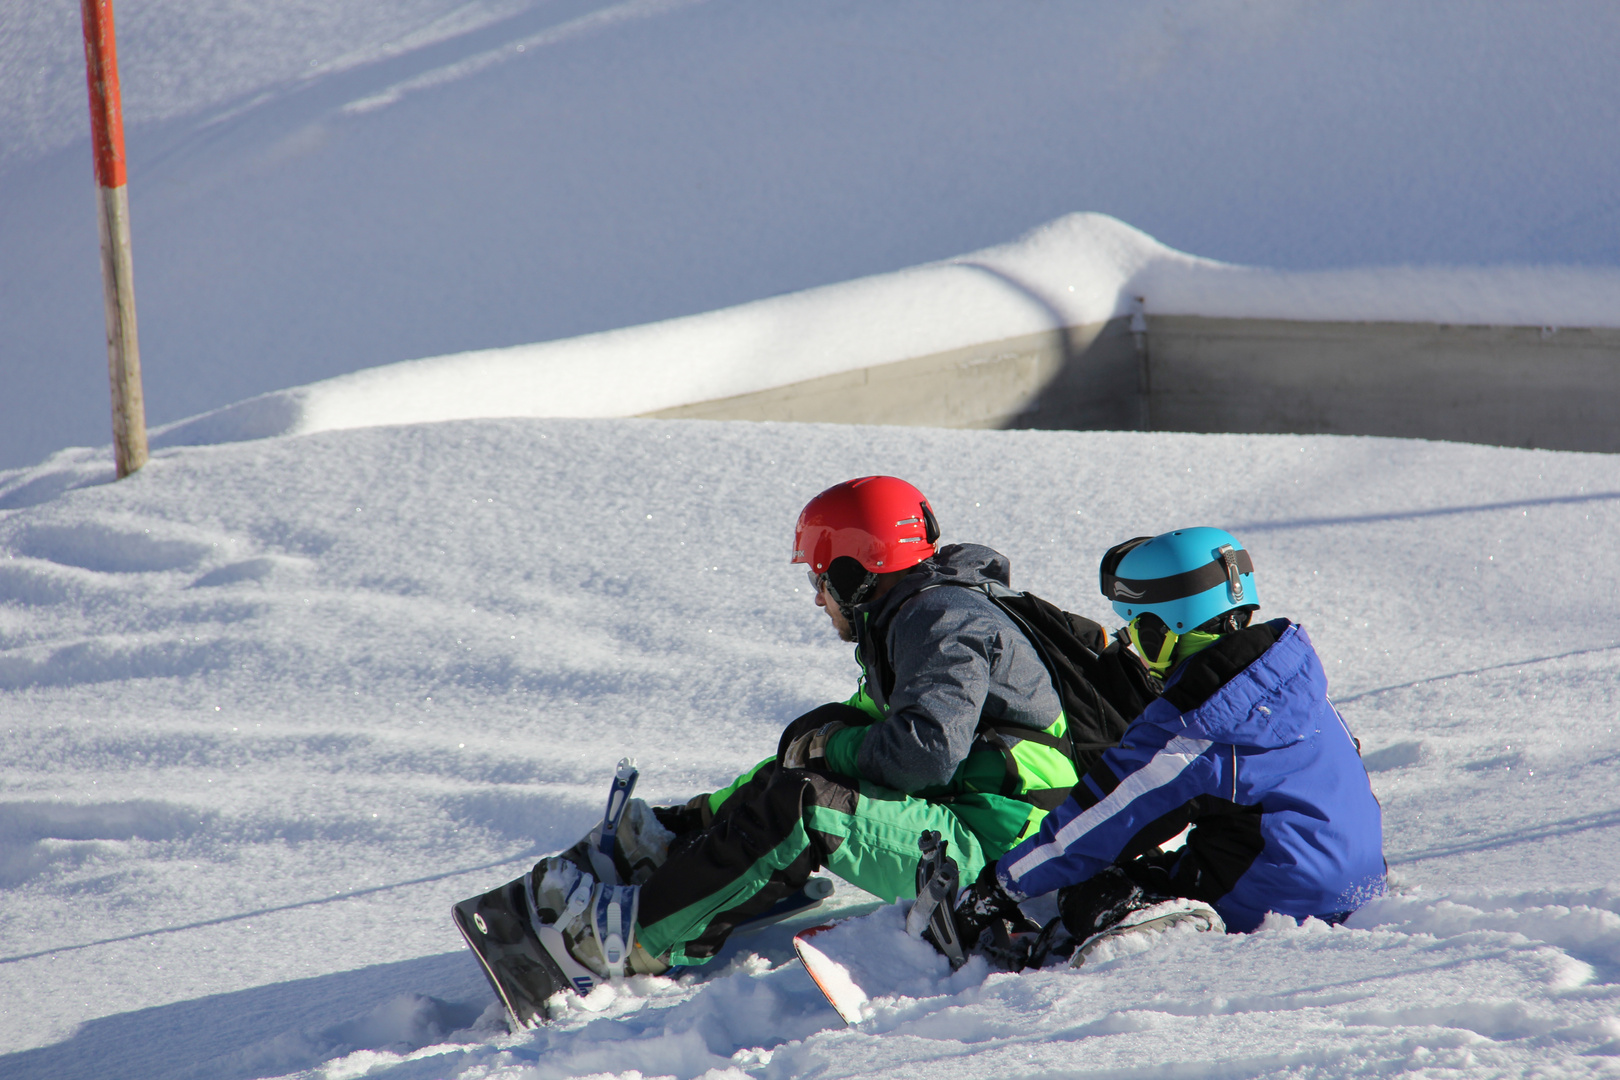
(1234, 578)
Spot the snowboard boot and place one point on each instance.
(1111, 905)
(640, 846)
(990, 922)
(592, 924)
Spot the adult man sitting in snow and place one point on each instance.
(928, 741)
(1244, 746)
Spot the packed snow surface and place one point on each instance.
(323, 186)
(345, 653)
(272, 706)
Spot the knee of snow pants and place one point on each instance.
(771, 835)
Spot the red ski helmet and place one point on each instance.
(881, 522)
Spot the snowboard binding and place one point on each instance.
(569, 924)
(1007, 940)
(932, 917)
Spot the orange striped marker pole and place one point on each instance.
(117, 269)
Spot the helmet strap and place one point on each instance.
(1229, 622)
(847, 607)
(849, 583)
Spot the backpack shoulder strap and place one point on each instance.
(1102, 687)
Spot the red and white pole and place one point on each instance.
(117, 269)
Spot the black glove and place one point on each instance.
(690, 817)
(982, 904)
(813, 721)
(809, 751)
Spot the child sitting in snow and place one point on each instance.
(1244, 746)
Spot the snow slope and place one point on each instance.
(272, 706)
(322, 186)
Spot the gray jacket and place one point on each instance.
(952, 656)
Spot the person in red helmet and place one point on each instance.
(955, 726)
(923, 743)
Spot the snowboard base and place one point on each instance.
(520, 971)
(526, 966)
(832, 977)
(857, 961)
(1148, 921)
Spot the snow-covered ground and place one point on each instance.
(272, 706)
(322, 186)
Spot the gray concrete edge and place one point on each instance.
(1499, 385)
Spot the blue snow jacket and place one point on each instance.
(1245, 746)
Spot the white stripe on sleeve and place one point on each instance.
(1160, 770)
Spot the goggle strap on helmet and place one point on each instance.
(1224, 570)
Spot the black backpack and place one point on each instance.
(1102, 684)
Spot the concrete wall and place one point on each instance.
(985, 386)
(1509, 386)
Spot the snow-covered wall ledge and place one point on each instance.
(1534, 387)
(1085, 322)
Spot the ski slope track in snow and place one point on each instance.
(272, 706)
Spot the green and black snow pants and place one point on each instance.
(782, 825)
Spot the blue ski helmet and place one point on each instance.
(1186, 577)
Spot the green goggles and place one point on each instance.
(1160, 646)
(1154, 641)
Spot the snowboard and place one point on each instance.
(528, 963)
(858, 962)
(523, 972)
(904, 949)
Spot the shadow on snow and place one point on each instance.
(272, 1030)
